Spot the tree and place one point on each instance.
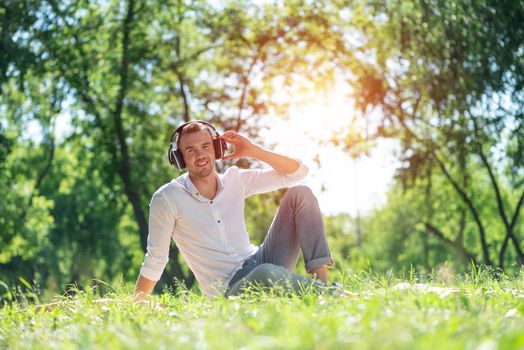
(447, 79)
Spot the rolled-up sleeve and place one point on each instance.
(161, 225)
(265, 180)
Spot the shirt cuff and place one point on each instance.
(300, 173)
(150, 274)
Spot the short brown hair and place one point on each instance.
(190, 129)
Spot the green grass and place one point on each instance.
(488, 313)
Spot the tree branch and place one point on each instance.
(500, 206)
(456, 186)
(182, 87)
(455, 244)
(245, 82)
(476, 216)
(494, 183)
(517, 211)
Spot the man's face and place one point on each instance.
(199, 154)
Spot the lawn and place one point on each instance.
(480, 312)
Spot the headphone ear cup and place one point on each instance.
(179, 159)
(223, 147)
(218, 150)
(170, 155)
(175, 158)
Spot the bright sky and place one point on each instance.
(341, 183)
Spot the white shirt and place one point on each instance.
(210, 234)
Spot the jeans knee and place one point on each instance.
(266, 272)
(301, 191)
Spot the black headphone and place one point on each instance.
(175, 155)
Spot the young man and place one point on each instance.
(203, 211)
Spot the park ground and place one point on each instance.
(477, 310)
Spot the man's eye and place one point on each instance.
(189, 151)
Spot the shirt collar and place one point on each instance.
(191, 188)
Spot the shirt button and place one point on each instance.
(211, 202)
(218, 221)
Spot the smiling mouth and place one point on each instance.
(203, 163)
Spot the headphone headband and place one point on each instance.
(176, 134)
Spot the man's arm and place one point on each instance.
(245, 148)
(161, 224)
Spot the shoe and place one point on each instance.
(336, 289)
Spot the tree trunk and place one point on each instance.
(467, 256)
(462, 193)
(124, 169)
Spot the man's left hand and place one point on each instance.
(242, 147)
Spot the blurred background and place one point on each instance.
(408, 113)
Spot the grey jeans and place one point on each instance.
(298, 225)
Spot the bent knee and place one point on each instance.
(268, 271)
(301, 191)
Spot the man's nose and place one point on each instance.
(199, 153)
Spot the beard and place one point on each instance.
(202, 171)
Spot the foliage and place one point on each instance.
(91, 91)
(445, 80)
(94, 90)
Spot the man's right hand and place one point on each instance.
(142, 299)
(143, 290)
